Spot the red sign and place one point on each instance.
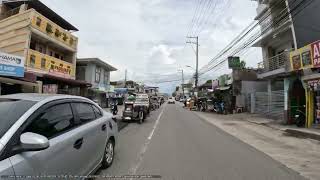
(315, 47)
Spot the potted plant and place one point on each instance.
(65, 37)
(57, 33)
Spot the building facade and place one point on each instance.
(31, 30)
(96, 72)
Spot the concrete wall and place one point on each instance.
(15, 34)
(90, 75)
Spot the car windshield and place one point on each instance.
(10, 111)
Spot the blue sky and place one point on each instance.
(147, 37)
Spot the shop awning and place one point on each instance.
(224, 88)
(67, 81)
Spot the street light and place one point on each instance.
(191, 67)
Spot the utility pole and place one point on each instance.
(182, 83)
(197, 58)
(125, 78)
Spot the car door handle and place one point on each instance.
(104, 127)
(78, 143)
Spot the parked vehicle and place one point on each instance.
(114, 108)
(171, 100)
(210, 105)
(182, 100)
(154, 103)
(219, 107)
(54, 134)
(138, 109)
(300, 117)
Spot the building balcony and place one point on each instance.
(274, 66)
(44, 64)
(52, 30)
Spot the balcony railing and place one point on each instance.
(276, 62)
(45, 64)
(53, 30)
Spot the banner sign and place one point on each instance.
(234, 62)
(50, 89)
(11, 65)
(306, 57)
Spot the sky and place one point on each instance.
(148, 37)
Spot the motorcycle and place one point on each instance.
(300, 118)
(219, 108)
(114, 109)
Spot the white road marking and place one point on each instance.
(144, 148)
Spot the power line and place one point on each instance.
(254, 38)
(203, 16)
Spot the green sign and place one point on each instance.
(234, 62)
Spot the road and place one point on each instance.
(176, 144)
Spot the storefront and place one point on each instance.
(313, 103)
(59, 85)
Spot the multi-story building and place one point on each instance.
(31, 30)
(96, 72)
(286, 25)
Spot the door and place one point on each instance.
(94, 128)
(63, 155)
(6, 169)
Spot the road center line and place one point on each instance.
(145, 145)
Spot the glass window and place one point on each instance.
(85, 112)
(43, 63)
(32, 61)
(106, 77)
(53, 122)
(10, 111)
(98, 74)
(97, 111)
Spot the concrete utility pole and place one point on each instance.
(125, 78)
(197, 58)
(182, 83)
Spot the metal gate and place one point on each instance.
(271, 106)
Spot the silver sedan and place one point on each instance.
(54, 135)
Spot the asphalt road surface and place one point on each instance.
(176, 144)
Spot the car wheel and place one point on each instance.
(108, 155)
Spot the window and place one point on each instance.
(38, 22)
(10, 111)
(98, 74)
(32, 61)
(43, 63)
(106, 77)
(53, 122)
(56, 55)
(85, 112)
(40, 49)
(97, 111)
(51, 53)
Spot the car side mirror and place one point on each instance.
(33, 142)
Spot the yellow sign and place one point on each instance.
(301, 58)
(43, 63)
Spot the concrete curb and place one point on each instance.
(302, 134)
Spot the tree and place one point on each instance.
(174, 94)
(242, 64)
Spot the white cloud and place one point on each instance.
(147, 37)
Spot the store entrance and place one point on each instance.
(8, 88)
(297, 98)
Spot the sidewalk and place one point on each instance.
(299, 154)
(292, 130)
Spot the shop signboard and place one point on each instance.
(11, 65)
(315, 49)
(306, 57)
(234, 62)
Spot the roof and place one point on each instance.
(42, 9)
(96, 61)
(38, 97)
(68, 81)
